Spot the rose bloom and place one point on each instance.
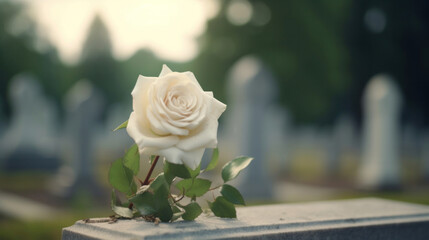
(173, 117)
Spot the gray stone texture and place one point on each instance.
(367, 218)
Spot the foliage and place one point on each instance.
(21, 53)
(301, 44)
(97, 63)
(154, 199)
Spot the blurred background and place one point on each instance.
(330, 97)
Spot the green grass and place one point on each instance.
(24, 181)
(46, 229)
(415, 197)
(14, 229)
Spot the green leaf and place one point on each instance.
(164, 213)
(176, 209)
(121, 211)
(121, 178)
(160, 187)
(177, 170)
(192, 211)
(232, 194)
(233, 168)
(123, 125)
(214, 160)
(132, 159)
(155, 200)
(176, 216)
(194, 187)
(222, 208)
(145, 203)
(196, 172)
(161, 192)
(169, 177)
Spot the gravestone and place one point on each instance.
(83, 105)
(109, 144)
(382, 105)
(31, 140)
(367, 218)
(277, 131)
(343, 142)
(251, 92)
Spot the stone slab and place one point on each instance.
(367, 218)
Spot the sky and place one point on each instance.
(167, 27)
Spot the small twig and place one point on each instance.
(151, 218)
(113, 220)
(211, 189)
(178, 200)
(110, 219)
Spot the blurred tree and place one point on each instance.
(300, 41)
(144, 62)
(391, 37)
(22, 50)
(97, 63)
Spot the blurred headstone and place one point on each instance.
(382, 105)
(111, 145)
(31, 140)
(251, 92)
(83, 105)
(277, 133)
(343, 141)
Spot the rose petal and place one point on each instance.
(192, 77)
(157, 116)
(138, 130)
(175, 115)
(165, 70)
(190, 158)
(205, 135)
(155, 123)
(139, 94)
(193, 158)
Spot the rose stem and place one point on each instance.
(146, 181)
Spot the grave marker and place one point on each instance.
(382, 106)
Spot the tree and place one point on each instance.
(398, 47)
(302, 44)
(18, 41)
(97, 63)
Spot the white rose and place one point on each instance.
(173, 117)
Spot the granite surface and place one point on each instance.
(367, 218)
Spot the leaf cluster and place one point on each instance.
(155, 200)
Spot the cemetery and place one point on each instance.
(333, 139)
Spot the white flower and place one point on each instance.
(173, 117)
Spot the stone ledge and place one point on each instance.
(367, 218)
